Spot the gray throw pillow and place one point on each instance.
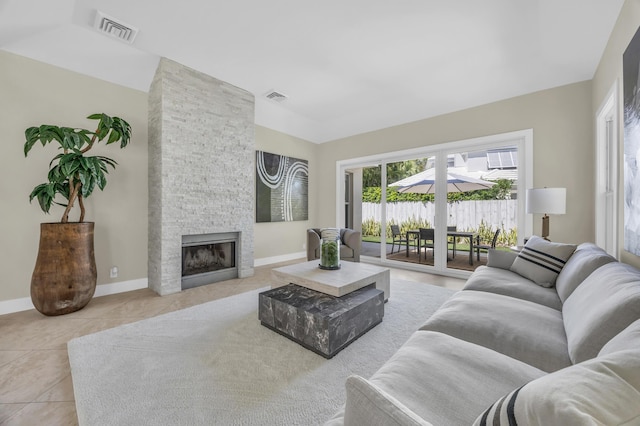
(541, 261)
(500, 258)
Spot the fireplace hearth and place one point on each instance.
(208, 258)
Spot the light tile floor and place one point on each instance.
(35, 376)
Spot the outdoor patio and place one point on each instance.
(460, 261)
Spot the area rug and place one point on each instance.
(214, 364)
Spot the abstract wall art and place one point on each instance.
(282, 188)
(631, 82)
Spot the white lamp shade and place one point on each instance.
(547, 200)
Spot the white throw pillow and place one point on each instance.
(601, 391)
(330, 233)
(541, 261)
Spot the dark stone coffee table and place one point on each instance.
(318, 321)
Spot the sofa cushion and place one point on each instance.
(367, 404)
(520, 329)
(629, 338)
(447, 381)
(507, 283)
(541, 261)
(587, 258)
(601, 307)
(602, 391)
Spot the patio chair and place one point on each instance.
(486, 247)
(397, 238)
(426, 240)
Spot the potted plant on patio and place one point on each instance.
(64, 277)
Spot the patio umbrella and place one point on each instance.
(424, 183)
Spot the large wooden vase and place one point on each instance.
(64, 278)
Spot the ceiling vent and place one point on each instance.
(276, 96)
(114, 28)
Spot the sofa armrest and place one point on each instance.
(313, 244)
(367, 404)
(351, 239)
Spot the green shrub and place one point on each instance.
(371, 228)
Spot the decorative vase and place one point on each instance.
(330, 253)
(64, 278)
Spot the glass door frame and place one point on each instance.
(522, 139)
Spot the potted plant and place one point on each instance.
(64, 277)
(330, 253)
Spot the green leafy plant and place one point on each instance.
(72, 174)
(329, 254)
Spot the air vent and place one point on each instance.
(275, 96)
(114, 28)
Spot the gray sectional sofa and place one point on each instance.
(532, 339)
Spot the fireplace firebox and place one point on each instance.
(209, 258)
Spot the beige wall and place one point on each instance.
(563, 148)
(32, 94)
(285, 238)
(609, 71)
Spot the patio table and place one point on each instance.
(414, 233)
(464, 234)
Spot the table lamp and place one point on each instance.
(546, 201)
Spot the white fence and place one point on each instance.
(466, 215)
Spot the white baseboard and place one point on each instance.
(121, 287)
(24, 304)
(277, 259)
(15, 305)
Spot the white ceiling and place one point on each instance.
(347, 66)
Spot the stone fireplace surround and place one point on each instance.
(201, 168)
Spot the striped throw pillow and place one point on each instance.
(541, 261)
(601, 391)
(502, 412)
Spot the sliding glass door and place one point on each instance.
(409, 211)
(441, 207)
(481, 204)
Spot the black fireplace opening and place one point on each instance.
(208, 258)
(205, 258)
